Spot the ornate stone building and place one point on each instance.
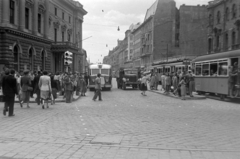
(34, 34)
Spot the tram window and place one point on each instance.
(222, 69)
(205, 69)
(198, 70)
(213, 69)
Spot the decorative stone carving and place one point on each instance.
(64, 27)
(56, 25)
(69, 31)
(50, 20)
(41, 9)
(29, 3)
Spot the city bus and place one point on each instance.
(106, 76)
(212, 73)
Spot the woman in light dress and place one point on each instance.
(45, 88)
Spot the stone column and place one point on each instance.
(46, 19)
(22, 15)
(5, 15)
(35, 17)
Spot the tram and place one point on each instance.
(172, 67)
(106, 76)
(212, 73)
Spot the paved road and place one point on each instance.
(124, 125)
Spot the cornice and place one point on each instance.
(24, 35)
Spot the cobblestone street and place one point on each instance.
(124, 125)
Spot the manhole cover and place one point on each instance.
(107, 140)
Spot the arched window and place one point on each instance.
(227, 14)
(30, 55)
(234, 11)
(218, 17)
(43, 59)
(16, 58)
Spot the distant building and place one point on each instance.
(34, 34)
(137, 32)
(223, 26)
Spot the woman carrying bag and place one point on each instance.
(26, 89)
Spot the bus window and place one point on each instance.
(213, 69)
(95, 71)
(198, 70)
(205, 69)
(222, 68)
(105, 71)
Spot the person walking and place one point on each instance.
(83, 86)
(55, 88)
(163, 81)
(9, 87)
(143, 87)
(36, 87)
(68, 87)
(183, 83)
(26, 88)
(191, 83)
(168, 83)
(98, 88)
(45, 88)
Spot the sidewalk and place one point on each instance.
(160, 91)
(57, 100)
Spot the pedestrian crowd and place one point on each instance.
(45, 85)
(178, 83)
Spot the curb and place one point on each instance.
(176, 97)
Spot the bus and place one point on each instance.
(106, 76)
(212, 73)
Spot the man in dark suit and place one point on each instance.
(9, 85)
(36, 87)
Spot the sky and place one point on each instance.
(100, 26)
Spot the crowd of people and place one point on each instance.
(179, 84)
(45, 85)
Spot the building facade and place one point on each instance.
(34, 34)
(193, 31)
(223, 26)
(137, 46)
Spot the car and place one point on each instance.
(128, 78)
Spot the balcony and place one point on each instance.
(63, 46)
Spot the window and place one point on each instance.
(56, 11)
(95, 71)
(234, 11)
(30, 59)
(55, 35)
(233, 38)
(63, 36)
(226, 41)
(213, 68)
(69, 19)
(26, 18)
(218, 17)
(209, 45)
(210, 19)
(105, 71)
(218, 42)
(12, 11)
(69, 37)
(222, 68)
(63, 15)
(39, 22)
(227, 14)
(43, 60)
(205, 69)
(198, 69)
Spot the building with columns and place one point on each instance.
(34, 34)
